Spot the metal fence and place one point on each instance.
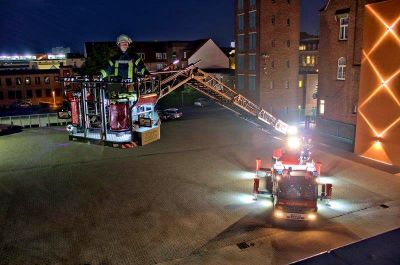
(34, 120)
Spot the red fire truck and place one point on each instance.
(293, 182)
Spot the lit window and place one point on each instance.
(322, 107)
(287, 84)
(341, 73)
(308, 60)
(184, 55)
(159, 55)
(343, 30)
(300, 83)
(27, 80)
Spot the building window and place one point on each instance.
(308, 60)
(240, 4)
(240, 82)
(38, 93)
(159, 55)
(271, 84)
(273, 20)
(253, 3)
(27, 80)
(241, 42)
(48, 92)
(300, 83)
(18, 81)
(252, 82)
(8, 82)
(288, 43)
(160, 66)
(287, 84)
(272, 64)
(184, 55)
(241, 22)
(273, 1)
(273, 43)
(0, 81)
(288, 22)
(252, 19)
(1, 95)
(302, 47)
(341, 73)
(288, 63)
(240, 62)
(56, 78)
(252, 62)
(322, 107)
(18, 94)
(37, 80)
(252, 41)
(11, 94)
(47, 80)
(29, 93)
(344, 26)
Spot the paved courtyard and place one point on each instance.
(183, 200)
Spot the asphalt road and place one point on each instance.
(183, 200)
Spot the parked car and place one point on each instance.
(25, 103)
(170, 114)
(202, 102)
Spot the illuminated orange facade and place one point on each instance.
(378, 120)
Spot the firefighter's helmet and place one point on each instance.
(122, 38)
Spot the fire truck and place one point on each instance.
(293, 182)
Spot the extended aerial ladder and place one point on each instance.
(218, 91)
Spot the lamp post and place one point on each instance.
(54, 97)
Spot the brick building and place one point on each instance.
(267, 54)
(341, 27)
(35, 86)
(378, 119)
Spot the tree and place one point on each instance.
(98, 58)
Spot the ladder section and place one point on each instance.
(215, 89)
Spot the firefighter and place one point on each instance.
(126, 65)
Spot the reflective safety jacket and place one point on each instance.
(125, 66)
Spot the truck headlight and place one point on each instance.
(311, 216)
(278, 213)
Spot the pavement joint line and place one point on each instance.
(356, 211)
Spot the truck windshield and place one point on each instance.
(297, 190)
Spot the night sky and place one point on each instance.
(38, 25)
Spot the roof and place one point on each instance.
(148, 47)
(29, 72)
